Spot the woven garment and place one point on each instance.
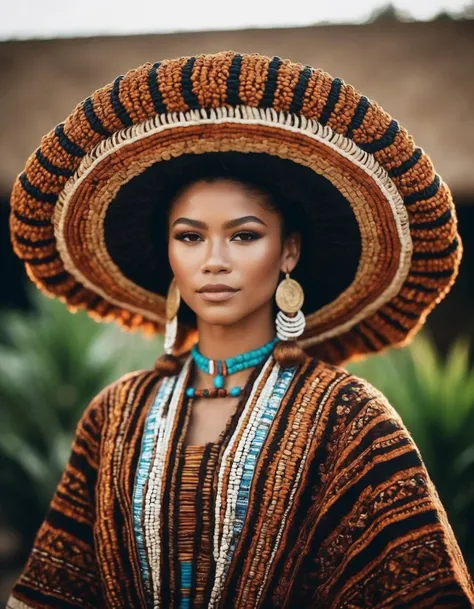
(89, 208)
(194, 511)
(318, 498)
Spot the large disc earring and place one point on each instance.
(290, 320)
(173, 299)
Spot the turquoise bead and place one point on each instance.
(234, 364)
(218, 381)
(235, 392)
(190, 391)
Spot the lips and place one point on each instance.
(216, 287)
(216, 292)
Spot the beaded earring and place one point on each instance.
(168, 364)
(290, 323)
(173, 300)
(290, 320)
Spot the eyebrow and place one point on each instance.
(230, 224)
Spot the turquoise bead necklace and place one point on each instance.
(220, 368)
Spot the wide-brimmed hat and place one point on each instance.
(382, 247)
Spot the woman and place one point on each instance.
(301, 228)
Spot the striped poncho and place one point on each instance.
(318, 497)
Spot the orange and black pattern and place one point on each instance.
(194, 521)
(230, 79)
(341, 513)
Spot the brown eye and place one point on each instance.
(247, 236)
(188, 237)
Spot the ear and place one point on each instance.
(291, 252)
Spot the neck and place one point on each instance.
(251, 332)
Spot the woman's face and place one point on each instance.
(219, 233)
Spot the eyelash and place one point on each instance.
(182, 236)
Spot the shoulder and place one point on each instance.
(351, 404)
(362, 437)
(130, 389)
(341, 380)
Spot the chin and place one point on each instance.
(221, 318)
(219, 314)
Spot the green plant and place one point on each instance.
(51, 364)
(434, 395)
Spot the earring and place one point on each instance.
(290, 320)
(173, 299)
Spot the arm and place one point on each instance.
(61, 569)
(381, 538)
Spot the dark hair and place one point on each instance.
(267, 194)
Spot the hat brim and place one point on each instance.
(409, 247)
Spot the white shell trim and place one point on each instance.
(289, 328)
(170, 334)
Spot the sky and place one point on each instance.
(23, 19)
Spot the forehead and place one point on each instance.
(221, 199)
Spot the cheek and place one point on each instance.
(262, 265)
(180, 256)
(181, 262)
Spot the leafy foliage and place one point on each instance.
(51, 365)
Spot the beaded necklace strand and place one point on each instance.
(220, 368)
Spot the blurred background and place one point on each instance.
(415, 58)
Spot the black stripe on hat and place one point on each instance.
(410, 301)
(386, 139)
(50, 167)
(420, 288)
(398, 171)
(380, 337)
(39, 195)
(393, 322)
(426, 193)
(188, 94)
(440, 221)
(155, 94)
(92, 118)
(336, 343)
(359, 116)
(55, 279)
(408, 314)
(300, 89)
(74, 290)
(233, 81)
(369, 345)
(69, 146)
(117, 105)
(36, 261)
(437, 255)
(433, 274)
(271, 83)
(94, 302)
(331, 101)
(31, 221)
(30, 243)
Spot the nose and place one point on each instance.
(216, 258)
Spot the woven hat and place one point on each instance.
(85, 220)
